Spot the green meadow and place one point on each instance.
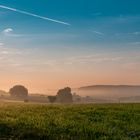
(25, 121)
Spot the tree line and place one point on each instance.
(63, 95)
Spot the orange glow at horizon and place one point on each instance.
(39, 73)
(42, 82)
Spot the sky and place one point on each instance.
(50, 44)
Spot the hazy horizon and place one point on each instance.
(53, 44)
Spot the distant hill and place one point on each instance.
(111, 87)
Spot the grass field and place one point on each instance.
(69, 122)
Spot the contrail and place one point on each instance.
(33, 15)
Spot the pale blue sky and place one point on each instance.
(96, 34)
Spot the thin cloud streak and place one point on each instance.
(97, 32)
(33, 15)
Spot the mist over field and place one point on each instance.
(109, 92)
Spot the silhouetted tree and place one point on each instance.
(64, 95)
(19, 91)
(52, 99)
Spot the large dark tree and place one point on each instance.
(64, 95)
(19, 91)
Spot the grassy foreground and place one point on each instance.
(69, 122)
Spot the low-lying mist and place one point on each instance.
(110, 93)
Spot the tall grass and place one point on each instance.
(69, 122)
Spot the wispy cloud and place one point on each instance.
(136, 33)
(10, 57)
(81, 60)
(95, 59)
(133, 33)
(9, 32)
(33, 15)
(8, 52)
(97, 32)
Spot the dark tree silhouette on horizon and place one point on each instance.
(64, 95)
(19, 91)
